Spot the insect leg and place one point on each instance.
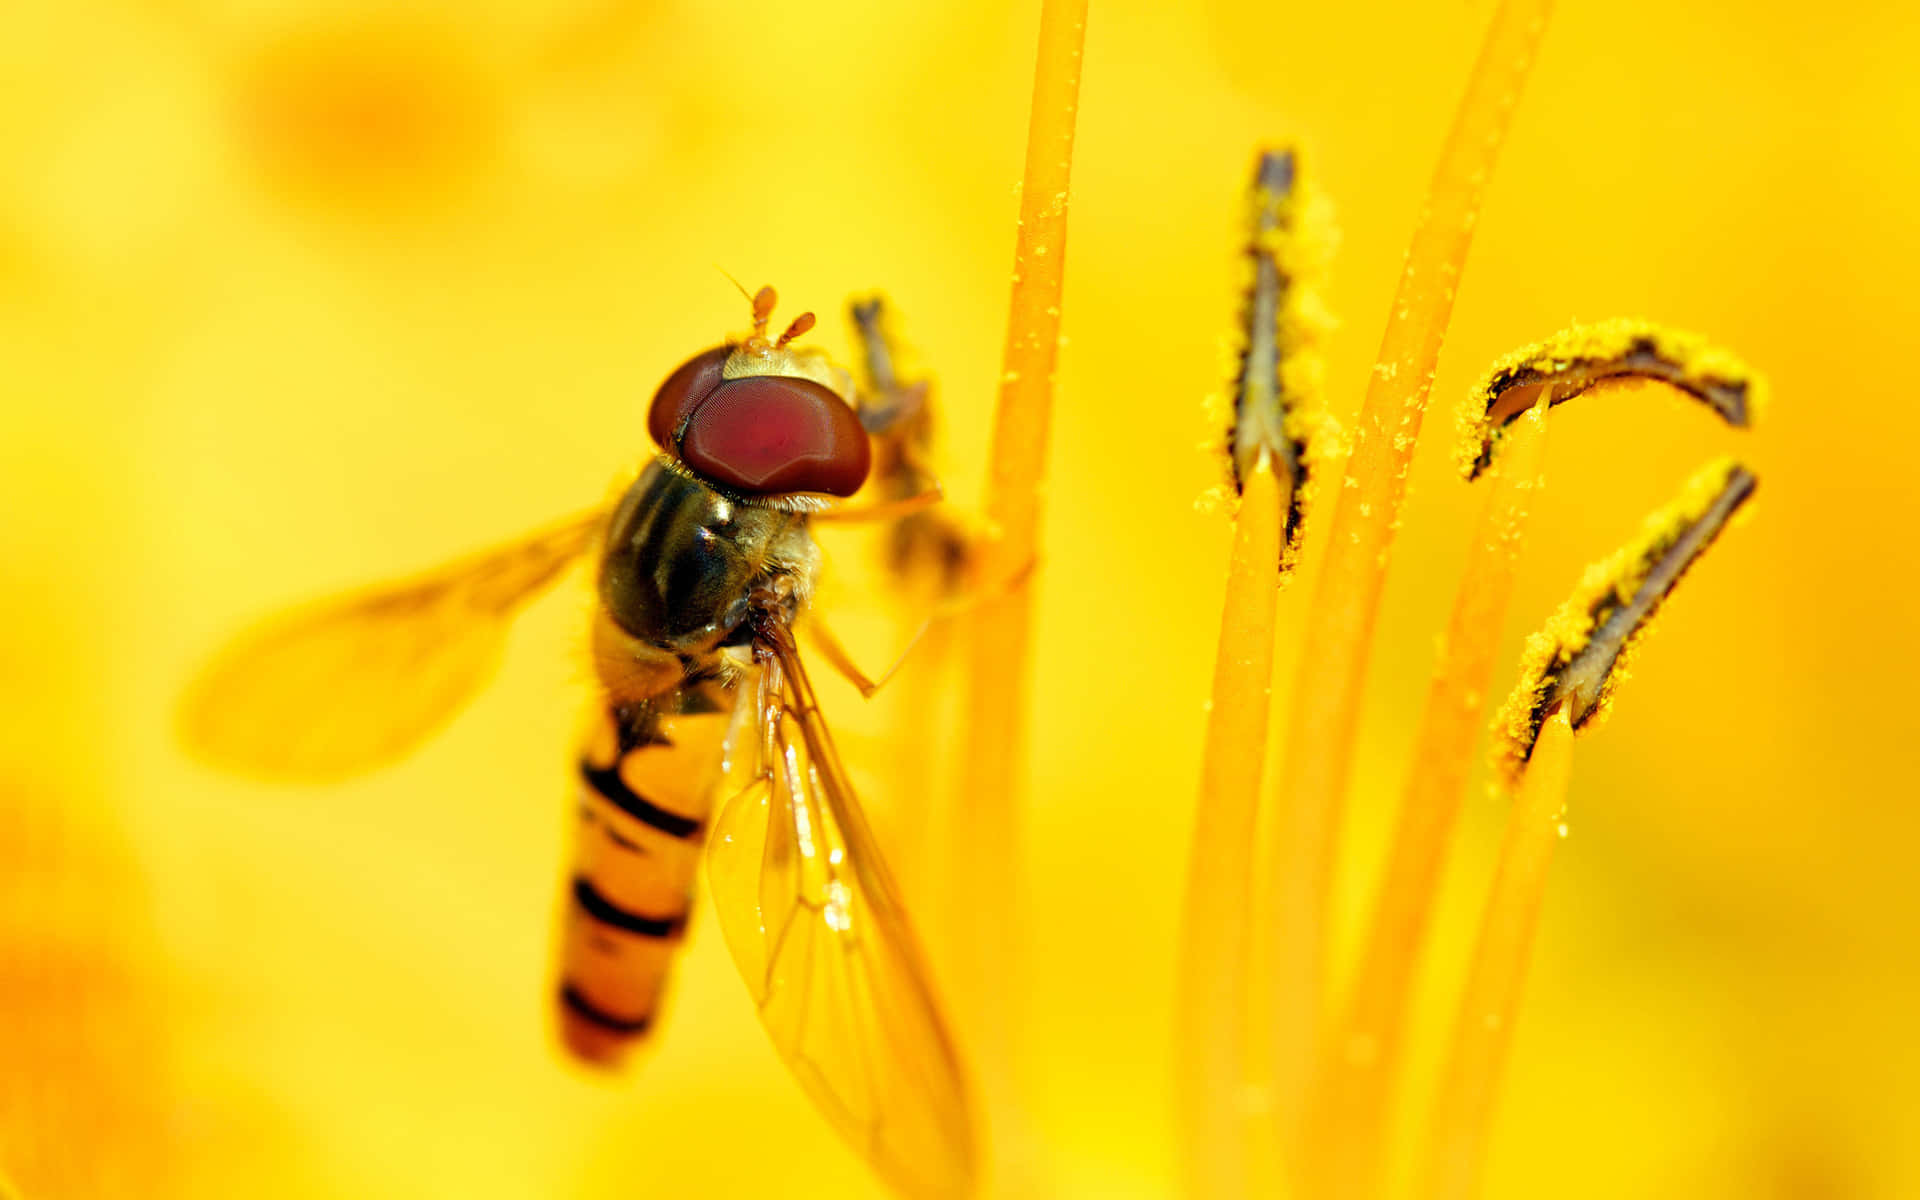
(889, 406)
(885, 510)
(835, 652)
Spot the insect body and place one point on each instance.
(704, 565)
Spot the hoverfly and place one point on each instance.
(704, 565)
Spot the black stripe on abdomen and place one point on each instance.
(607, 782)
(593, 1014)
(605, 911)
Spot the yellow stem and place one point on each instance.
(1463, 1108)
(1344, 1147)
(1210, 1036)
(1313, 777)
(989, 842)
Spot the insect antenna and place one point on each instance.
(800, 325)
(735, 282)
(763, 302)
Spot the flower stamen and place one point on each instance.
(1584, 357)
(1267, 450)
(1575, 661)
(1312, 780)
(1566, 677)
(1349, 1098)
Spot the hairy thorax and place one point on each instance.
(679, 573)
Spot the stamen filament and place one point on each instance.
(1313, 777)
(988, 958)
(1274, 411)
(1566, 676)
(1357, 1065)
(1211, 1010)
(1344, 1147)
(1483, 1033)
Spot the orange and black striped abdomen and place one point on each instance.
(647, 776)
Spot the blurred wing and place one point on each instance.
(356, 681)
(815, 925)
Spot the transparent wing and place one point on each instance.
(355, 681)
(815, 925)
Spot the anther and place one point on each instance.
(1574, 662)
(1273, 400)
(1580, 358)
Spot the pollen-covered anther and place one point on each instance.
(1576, 660)
(1582, 357)
(1276, 374)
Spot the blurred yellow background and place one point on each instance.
(295, 296)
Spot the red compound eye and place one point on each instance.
(691, 382)
(769, 434)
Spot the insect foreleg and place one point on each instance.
(835, 652)
(885, 510)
